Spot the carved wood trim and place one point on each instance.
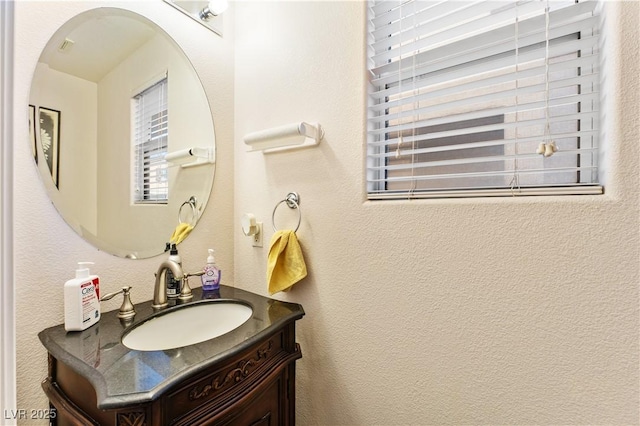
(235, 375)
(137, 418)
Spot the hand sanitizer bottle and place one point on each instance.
(81, 299)
(212, 275)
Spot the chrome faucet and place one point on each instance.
(160, 289)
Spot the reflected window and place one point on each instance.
(150, 143)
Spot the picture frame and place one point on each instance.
(32, 132)
(49, 121)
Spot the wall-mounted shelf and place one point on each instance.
(284, 138)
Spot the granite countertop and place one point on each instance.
(122, 376)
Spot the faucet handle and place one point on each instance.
(185, 291)
(127, 310)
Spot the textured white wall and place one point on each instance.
(423, 312)
(494, 311)
(45, 248)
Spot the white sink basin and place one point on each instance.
(187, 325)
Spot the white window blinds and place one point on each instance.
(483, 98)
(151, 134)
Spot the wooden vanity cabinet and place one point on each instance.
(256, 386)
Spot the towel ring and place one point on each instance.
(194, 212)
(293, 201)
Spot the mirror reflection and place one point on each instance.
(121, 132)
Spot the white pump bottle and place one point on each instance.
(81, 299)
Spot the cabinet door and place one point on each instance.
(266, 406)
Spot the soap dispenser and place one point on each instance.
(81, 299)
(212, 275)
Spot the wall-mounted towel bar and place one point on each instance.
(190, 157)
(287, 137)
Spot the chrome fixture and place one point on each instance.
(206, 13)
(192, 203)
(127, 311)
(185, 290)
(160, 288)
(293, 201)
(213, 8)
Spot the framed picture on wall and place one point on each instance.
(32, 131)
(49, 120)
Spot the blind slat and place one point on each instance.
(417, 124)
(478, 65)
(463, 94)
(474, 160)
(542, 171)
(425, 40)
(584, 189)
(393, 143)
(151, 126)
(457, 22)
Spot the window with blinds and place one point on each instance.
(151, 130)
(483, 98)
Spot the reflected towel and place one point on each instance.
(285, 264)
(180, 233)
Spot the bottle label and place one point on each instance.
(173, 285)
(89, 297)
(212, 274)
(211, 278)
(96, 284)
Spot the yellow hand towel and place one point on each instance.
(285, 264)
(180, 233)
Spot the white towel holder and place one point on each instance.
(190, 157)
(283, 138)
(293, 201)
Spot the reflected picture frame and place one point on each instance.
(49, 125)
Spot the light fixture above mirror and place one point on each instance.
(207, 13)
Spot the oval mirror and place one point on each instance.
(121, 132)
